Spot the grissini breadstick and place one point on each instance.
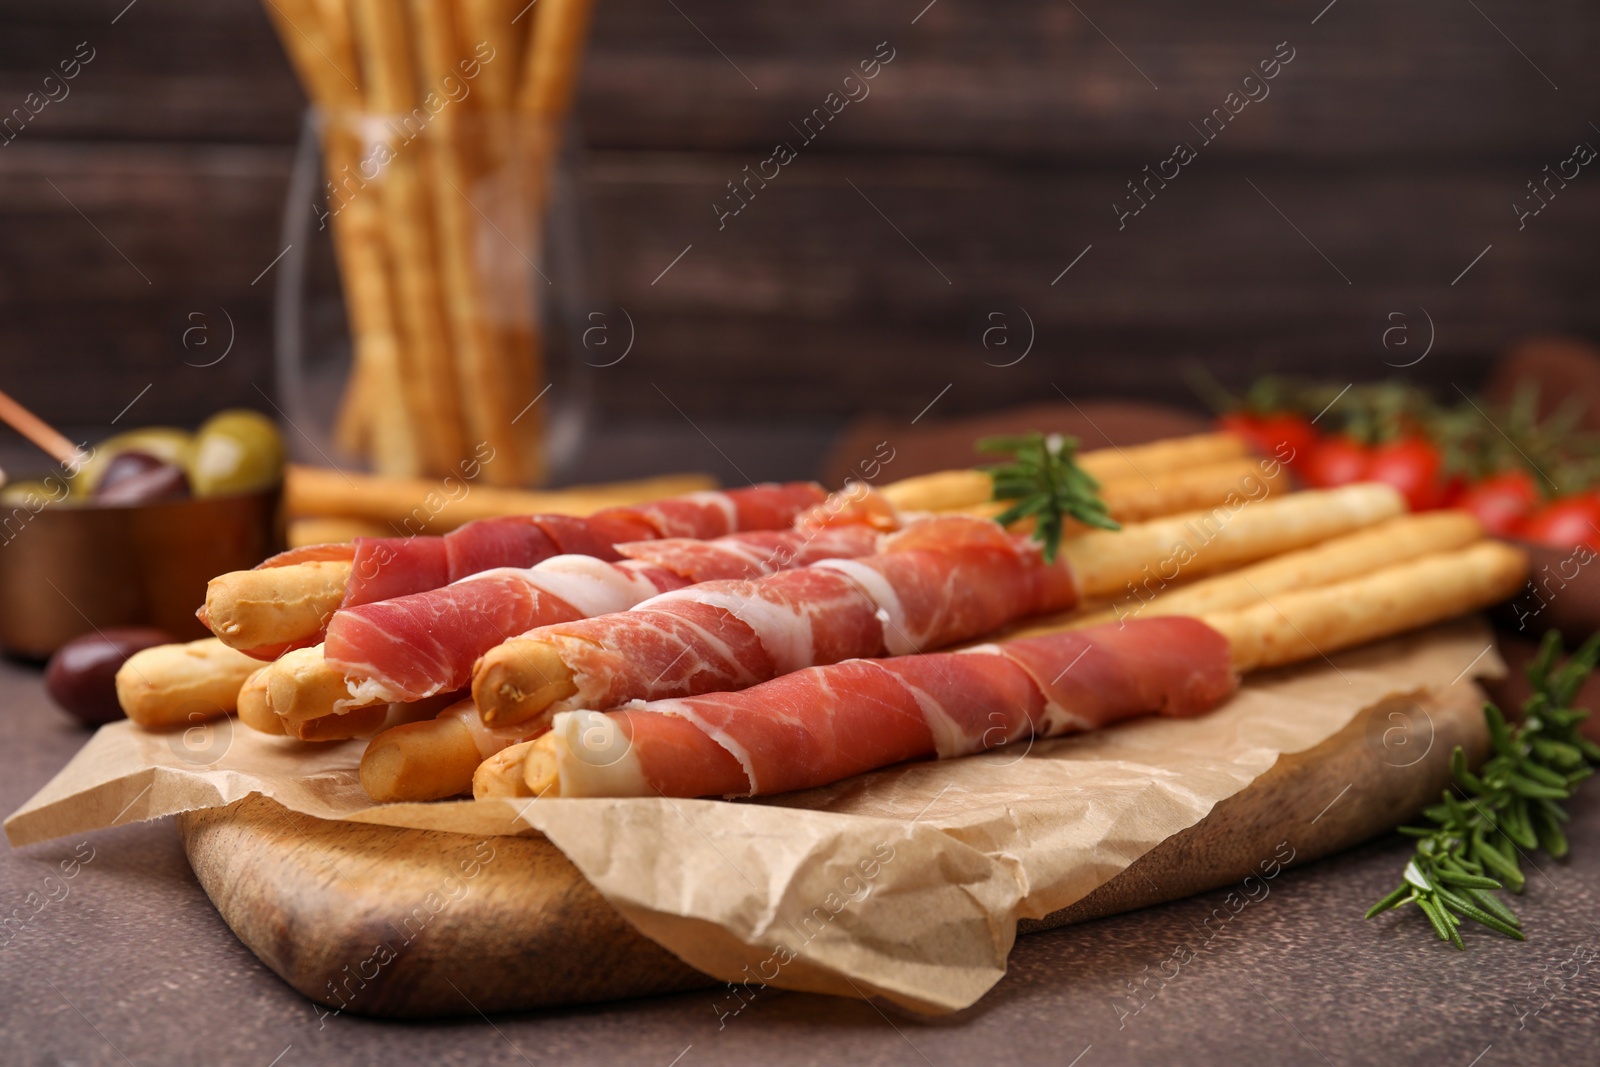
(285, 602)
(310, 701)
(486, 405)
(434, 759)
(364, 722)
(303, 532)
(674, 646)
(1334, 560)
(375, 412)
(414, 647)
(338, 37)
(944, 579)
(318, 38)
(787, 734)
(1301, 625)
(313, 491)
(550, 74)
(357, 723)
(253, 709)
(948, 490)
(429, 383)
(301, 29)
(301, 686)
(1153, 555)
(274, 605)
(443, 505)
(501, 775)
(181, 684)
(491, 21)
(508, 155)
(1170, 492)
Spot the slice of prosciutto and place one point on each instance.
(385, 567)
(824, 724)
(939, 581)
(410, 647)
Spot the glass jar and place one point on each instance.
(430, 302)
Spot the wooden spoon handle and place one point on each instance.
(38, 431)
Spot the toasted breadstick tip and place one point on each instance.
(502, 774)
(421, 761)
(274, 605)
(254, 710)
(516, 681)
(302, 686)
(174, 685)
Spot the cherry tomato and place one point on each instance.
(1564, 523)
(1337, 461)
(1288, 437)
(1413, 466)
(1501, 501)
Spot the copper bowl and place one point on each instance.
(67, 570)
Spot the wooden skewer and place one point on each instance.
(39, 432)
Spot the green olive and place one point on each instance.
(33, 495)
(235, 451)
(167, 443)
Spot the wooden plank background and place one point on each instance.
(987, 156)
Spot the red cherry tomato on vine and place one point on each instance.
(1337, 461)
(1564, 523)
(1287, 437)
(1502, 501)
(1414, 467)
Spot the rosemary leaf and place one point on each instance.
(1043, 481)
(1510, 805)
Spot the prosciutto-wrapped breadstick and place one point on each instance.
(414, 646)
(286, 601)
(820, 725)
(962, 581)
(938, 581)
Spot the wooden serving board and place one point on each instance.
(375, 920)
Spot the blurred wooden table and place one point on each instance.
(131, 961)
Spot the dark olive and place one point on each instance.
(164, 481)
(81, 677)
(125, 465)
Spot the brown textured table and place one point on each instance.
(130, 964)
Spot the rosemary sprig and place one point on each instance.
(1047, 484)
(1512, 804)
